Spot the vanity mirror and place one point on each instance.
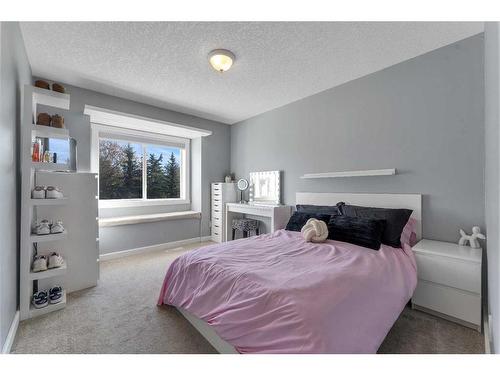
(265, 187)
(242, 185)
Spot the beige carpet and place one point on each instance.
(120, 316)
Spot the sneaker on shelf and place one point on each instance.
(43, 227)
(39, 264)
(57, 227)
(53, 192)
(40, 299)
(55, 294)
(55, 260)
(38, 192)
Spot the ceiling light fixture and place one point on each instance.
(221, 59)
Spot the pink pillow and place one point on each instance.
(408, 235)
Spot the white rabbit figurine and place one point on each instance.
(474, 243)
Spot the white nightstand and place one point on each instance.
(449, 282)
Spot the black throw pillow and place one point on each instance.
(299, 219)
(356, 230)
(328, 210)
(395, 220)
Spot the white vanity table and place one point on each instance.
(265, 196)
(272, 216)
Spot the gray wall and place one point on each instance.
(423, 116)
(15, 72)
(210, 154)
(492, 167)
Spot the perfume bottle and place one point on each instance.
(46, 157)
(37, 151)
(34, 152)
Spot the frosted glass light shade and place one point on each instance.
(221, 59)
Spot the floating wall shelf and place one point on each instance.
(370, 172)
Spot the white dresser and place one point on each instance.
(449, 282)
(222, 193)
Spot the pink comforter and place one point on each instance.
(276, 293)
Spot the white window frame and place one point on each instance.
(144, 138)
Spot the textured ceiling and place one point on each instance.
(165, 63)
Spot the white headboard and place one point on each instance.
(409, 201)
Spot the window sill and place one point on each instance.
(139, 219)
(141, 203)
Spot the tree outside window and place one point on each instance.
(121, 171)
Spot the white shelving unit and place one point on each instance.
(32, 96)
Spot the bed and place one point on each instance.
(276, 293)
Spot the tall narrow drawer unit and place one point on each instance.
(449, 281)
(222, 193)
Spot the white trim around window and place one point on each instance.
(99, 131)
(122, 120)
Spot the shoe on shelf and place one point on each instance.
(57, 121)
(58, 88)
(38, 192)
(57, 227)
(55, 260)
(43, 119)
(39, 264)
(53, 192)
(40, 299)
(42, 84)
(42, 228)
(55, 294)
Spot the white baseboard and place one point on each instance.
(9, 340)
(150, 249)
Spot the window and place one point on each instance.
(120, 169)
(136, 169)
(163, 172)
